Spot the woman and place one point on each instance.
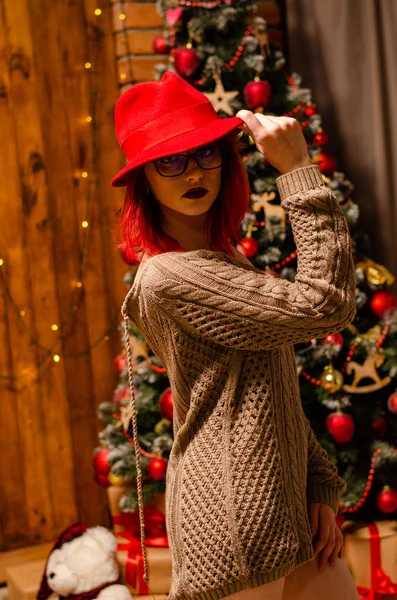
(249, 490)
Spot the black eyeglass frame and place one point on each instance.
(190, 154)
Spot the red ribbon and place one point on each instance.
(154, 521)
(381, 584)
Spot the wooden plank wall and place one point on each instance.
(56, 168)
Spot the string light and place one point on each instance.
(98, 11)
(84, 174)
(84, 224)
(88, 65)
(88, 119)
(122, 16)
(1, 262)
(54, 327)
(56, 358)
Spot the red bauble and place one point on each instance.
(101, 463)
(249, 247)
(392, 403)
(310, 111)
(161, 45)
(333, 339)
(327, 163)
(157, 468)
(120, 363)
(320, 138)
(102, 480)
(382, 301)
(387, 500)
(340, 426)
(167, 404)
(257, 93)
(379, 427)
(186, 61)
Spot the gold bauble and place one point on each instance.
(117, 479)
(331, 379)
(162, 426)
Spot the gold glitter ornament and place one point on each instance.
(331, 379)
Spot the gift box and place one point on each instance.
(126, 527)
(370, 551)
(23, 581)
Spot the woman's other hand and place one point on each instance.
(279, 139)
(329, 538)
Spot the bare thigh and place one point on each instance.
(267, 591)
(307, 582)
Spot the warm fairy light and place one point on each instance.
(79, 285)
(88, 119)
(22, 313)
(56, 358)
(88, 65)
(123, 76)
(54, 327)
(84, 224)
(1, 262)
(122, 16)
(106, 338)
(98, 11)
(84, 174)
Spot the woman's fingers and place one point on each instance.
(279, 139)
(327, 550)
(338, 546)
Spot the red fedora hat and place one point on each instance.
(158, 118)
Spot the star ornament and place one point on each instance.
(219, 98)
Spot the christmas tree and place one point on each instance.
(348, 379)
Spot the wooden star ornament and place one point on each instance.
(219, 98)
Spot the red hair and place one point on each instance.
(140, 217)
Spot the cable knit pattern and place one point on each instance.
(245, 461)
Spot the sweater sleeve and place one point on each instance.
(323, 482)
(238, 306)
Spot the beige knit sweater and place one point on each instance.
(245, 461)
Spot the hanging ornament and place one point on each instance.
(166, 404)
(383, 301)
(367, 370)
(249, 247)
(392, 403)
(379, 427)
(186, 60)
(387, 500)
(257, 93)
(375, 273)
(102, 480)
(120, 363)
(161, 45)
(341, 426)
(331, 379)
(270, 210)
(172, 15)
(121, 394)
(326, 163)
(100, 461)
(259, 31)
(157, 468)
(310, 111)
(163, 426)
(320, 138)
(219, 98)
(333, 339)
(117, 479)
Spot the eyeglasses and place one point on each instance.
(207, 157)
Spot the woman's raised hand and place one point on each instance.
(279, 139)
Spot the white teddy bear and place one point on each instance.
(82, 566)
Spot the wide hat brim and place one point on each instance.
(179, 143)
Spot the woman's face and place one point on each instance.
(169, 191)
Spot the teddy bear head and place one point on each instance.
(82, 559)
